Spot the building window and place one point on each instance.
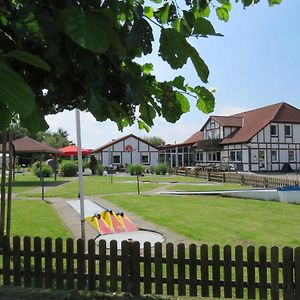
(236, 155)
(214, 156)
(287, 130)
(291, 155)
(274, 130)
(116, 159)
(199, 156)
(145, 158)
(239, 155)
(274, 155)
(232, 155)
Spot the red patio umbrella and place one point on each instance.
(72, 151)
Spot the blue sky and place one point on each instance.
(255, 64)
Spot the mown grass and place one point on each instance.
(216, 220)
(36, 218)
(28, 182)
(95, 185)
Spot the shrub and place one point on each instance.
(85, 165)
(138, 169)
(161, 169)
(93, 164)
(135, 169)
(46, 170)
(68, 168)
(100, 170)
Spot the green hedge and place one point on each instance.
(68, 168)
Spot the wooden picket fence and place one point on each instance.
(163, 270)
(230, 177)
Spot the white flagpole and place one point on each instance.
(80, 175)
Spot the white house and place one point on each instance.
(129, 149)
(262, 139)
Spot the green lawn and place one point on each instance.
(217, 220)
(95, 185)
(28, 182)
(36, 218)
(209, 187)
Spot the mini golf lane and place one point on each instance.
(259, 194)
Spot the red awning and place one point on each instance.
(72, 151)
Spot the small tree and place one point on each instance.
(93, 164)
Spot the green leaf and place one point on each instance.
(199, 64)
(173, 48)
(247, 2)
(202, 12)
(273, 2)
(148, 12)
(184, 102)
(147, 68)
(14, 92)
(222, 14)
(178, 82)
(143, 125)
(163, 13)
(157, 1)
(206, 100)
(5, 116)
(148, 113)
(204, 27)
(141, 36)
(35, 122)
(176, 24)
(29, 58)
(89, 30)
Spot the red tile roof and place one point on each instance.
(256, 119)
(191, 141)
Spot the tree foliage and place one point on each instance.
(62, 54)
(154, 140)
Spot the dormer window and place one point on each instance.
(274, 130)
(287, 130)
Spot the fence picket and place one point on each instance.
(59, 277)
(6, 260)
(216, 285)
(48, 263)
(147, 268)
(204, 271)
(135, 268)
(113, 266)
(80, 265)
(37, 248)
(158, 268)
(102, 266)
(193, 269)
(125, 266)
(262, 254)
(91, 265)
(181, 269)
(16, 261)
(274, 273)
(170, 268)
(287, 261)
(297, 273)
(251, 271)
(227, 272)
(27, 261)
(239, 272)
(70, 264)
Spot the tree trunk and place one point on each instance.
(10, 178)
(3, 182)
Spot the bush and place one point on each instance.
(152, 169)
(100, 170)
(138, 169)
(46, 170)
(93, 164)
(135, 169)
(161, 169)
(85, 165)
(68, 168)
